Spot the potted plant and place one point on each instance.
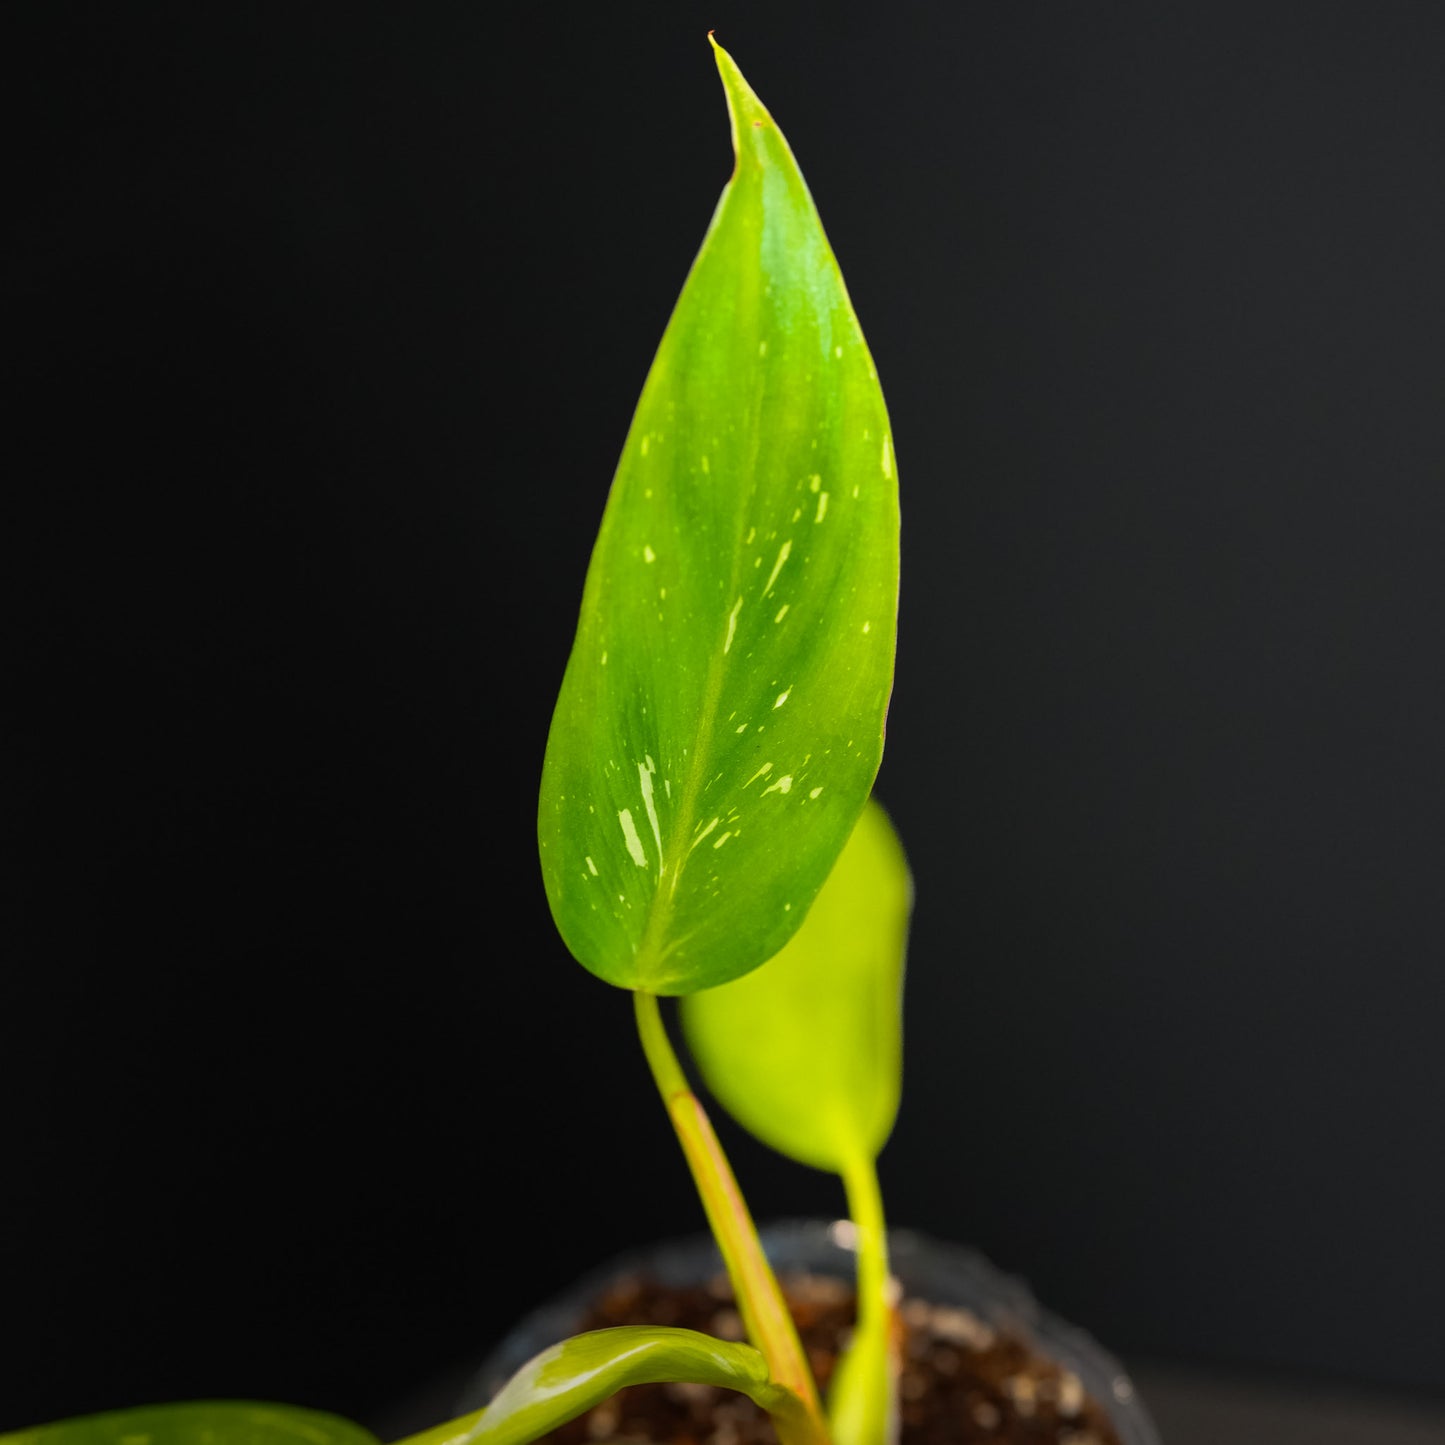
(707, 832)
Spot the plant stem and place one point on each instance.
(865, 1209)
(450, 1432)
(760, 1301)
(863, 1404)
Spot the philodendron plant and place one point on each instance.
(706, 825)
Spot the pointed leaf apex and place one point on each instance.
(745, 110)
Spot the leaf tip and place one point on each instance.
(744, 107)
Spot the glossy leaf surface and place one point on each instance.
(198, 1422)
(806, 1052)
(720, 722)
(569, 1378)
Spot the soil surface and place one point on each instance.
(962, 1381)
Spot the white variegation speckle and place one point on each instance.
(629, 834)
(783, 552)
(732, 624)
(645, 770)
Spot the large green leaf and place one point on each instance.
(720, 722)
(198, 1422)
(806, 1052)
(561, 1382)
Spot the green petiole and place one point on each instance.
(760, 1299)
(861, 1405)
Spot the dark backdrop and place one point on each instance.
(324, 325)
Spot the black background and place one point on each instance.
(324, 326)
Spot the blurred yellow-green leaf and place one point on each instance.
(806, 1052)
(198, 1422)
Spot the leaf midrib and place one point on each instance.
(679, 847)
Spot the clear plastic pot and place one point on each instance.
(927, 1269)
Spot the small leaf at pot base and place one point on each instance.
(569, 1378)
(199, 1422)
(720, 722)
(806, 1052)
